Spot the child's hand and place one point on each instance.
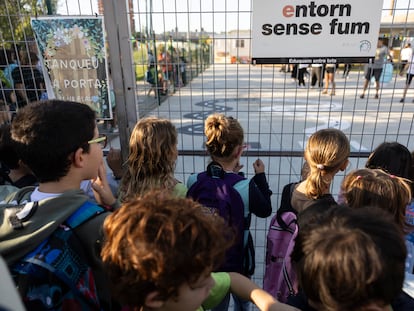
(238, 167)
(101, 189)
(258, 166)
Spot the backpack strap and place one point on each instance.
(21, 213)
(19, 195)
(286, 205)
(85, 212)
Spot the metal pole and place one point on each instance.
(123, 75)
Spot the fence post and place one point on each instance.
(122, 68)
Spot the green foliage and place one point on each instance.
(15, 18)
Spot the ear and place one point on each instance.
(78, 158)
(153, 300)
(239, 151)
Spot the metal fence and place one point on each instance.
(210, 42)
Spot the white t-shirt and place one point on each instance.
(38, 195)
(406, 54)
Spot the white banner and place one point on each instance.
(286, 31)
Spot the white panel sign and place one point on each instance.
(286, 31)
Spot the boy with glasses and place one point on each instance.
(60, 143)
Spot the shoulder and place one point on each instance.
(180, 190)
(219, 290)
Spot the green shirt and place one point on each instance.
(180, 190)
(219, 290)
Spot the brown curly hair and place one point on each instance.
(223, 135)
(374, 187)
(159, 242)
(151, 160)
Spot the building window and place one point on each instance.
(239, 43)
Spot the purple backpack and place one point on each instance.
(279, 277)
(215, 190)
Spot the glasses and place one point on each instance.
(101, 140)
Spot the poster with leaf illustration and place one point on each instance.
(74, 60)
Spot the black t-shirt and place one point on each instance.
(300, 201)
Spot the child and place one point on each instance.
(151, 160)
(60, 143)
(374, 187)
(391, 157)
(326, 153)
(18, 174)
(350, 259)
(225, 143)
(160, 250)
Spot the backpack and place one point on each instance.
(279, 277)
(55, 275)
(215, 190)
(150, 76)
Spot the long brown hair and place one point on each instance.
(325, 152)
(151, 160)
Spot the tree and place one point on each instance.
(15, 18)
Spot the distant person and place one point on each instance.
(169, 247)
(347, 70)
(151, 75)
(375, 69)
(409, 78)
(7, 95)
(183, 67)
(406, 55)
(329, 79)
(151, 160)
(302, 71)
(166, 62)
(28, 81)
(316, 75)
(350, 259)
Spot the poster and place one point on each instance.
(74, 60)
(327, 31)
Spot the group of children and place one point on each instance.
(154, 247)
(385, 184)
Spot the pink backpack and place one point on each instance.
(279, 277)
